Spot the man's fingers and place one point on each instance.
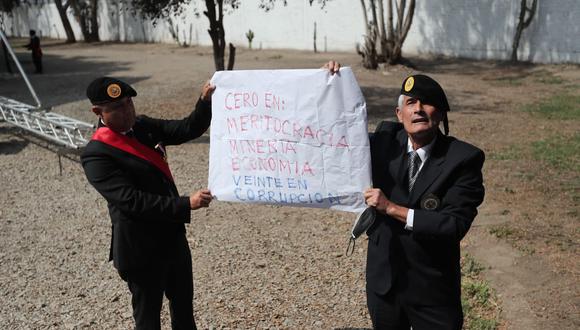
(335, 66)
(370, 192)
(207, 91)
(332, 66)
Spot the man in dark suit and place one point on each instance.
(126, 163)
(427, 187)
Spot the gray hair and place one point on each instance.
(400, 101)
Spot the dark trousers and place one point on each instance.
(390, 312)
(37, 60)
(174, 279)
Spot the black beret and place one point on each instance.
(426, 90)
(106, 89)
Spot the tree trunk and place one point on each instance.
(369, 48)
(392, 36)
(375, 22)
(70, 36)
(523, 23)
(216, 32)
(403, 28)
(396, 54)
(232, 57)
(399, 34)
(367, 26)
(390, 31)
(382, 31)
(519, 30)
(94, 23)
(80, 16)
(315, 50)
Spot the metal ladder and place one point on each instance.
(54, 127)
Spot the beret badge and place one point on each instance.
(409, 84)
(430, 202)
(114, 91)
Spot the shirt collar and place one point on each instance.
(124, 133)
(423, 152)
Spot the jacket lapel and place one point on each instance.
(430, 171)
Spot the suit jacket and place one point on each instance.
(146, 210)
(422, 264)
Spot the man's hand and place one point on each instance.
(332, 66)
(207, 91)
(376, 198)
(199, 199)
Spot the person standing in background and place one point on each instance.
(34, 46)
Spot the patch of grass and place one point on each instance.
(561, 106)
(478, 299)
(548, 78)
(551, 80)
(479, 291)
(559, 151)
(470, 267)
(510, 153)
(505, 81)
(572, 86)
(482, 324)
(501, 231)
(525, 176)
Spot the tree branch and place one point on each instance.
(531, 13)
(408, 21)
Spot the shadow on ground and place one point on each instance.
(381, 103)
(60, 81)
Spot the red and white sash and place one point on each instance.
(132, 146)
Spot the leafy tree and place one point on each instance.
(6, 6)
(214, 11)
(524, 20)
(62, 9)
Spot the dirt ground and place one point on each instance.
(273, 267)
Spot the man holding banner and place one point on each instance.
(427, 187)
(126, 163)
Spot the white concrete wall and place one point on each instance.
(480, 29)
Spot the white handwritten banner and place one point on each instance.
(289, 137)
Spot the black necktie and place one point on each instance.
(414, 165)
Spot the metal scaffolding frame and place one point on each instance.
(54, 127)
(51, 126)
